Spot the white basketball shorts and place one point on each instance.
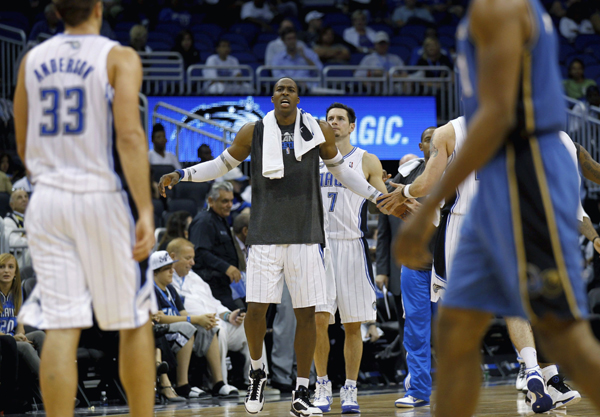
(300, 265)
(81, 247)
(453, 226)
(354, 285)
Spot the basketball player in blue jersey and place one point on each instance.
(351, 289)
(76, 117)
(286, 233)
(518, 250)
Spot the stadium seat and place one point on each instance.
(236, 38)
(159, 45)
(592, 71)
(447, 31)
(195, 191)
(356, 58)
(211, 29)
(259, 51)
(171, 29)
(583, 41)
(244, 57)
(160, 170)
(414, 31)
(407, 41)
(202, 41)
(266, 37)
(16, 20)
(447, 41)
(179, 204)
(248, 30)
(339, 29)
(382, 27)
(124, 26)
(333, 19)
(402, 51)
(159, 207)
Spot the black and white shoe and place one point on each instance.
(561, 393)
(255, 398)
(301, 404)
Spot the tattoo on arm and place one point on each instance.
(590, 168)
(433, 151)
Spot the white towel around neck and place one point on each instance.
(272, 157)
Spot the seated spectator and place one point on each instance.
(7, 165)
(138, 36)
(216, 259)
(276, 46)
(159, 155)
(293, 56)
(412, 12)
(5, 168)
(589, 107)
(225, 61)
(176, 13)
(15, 220)
(433, 57)
(29, 345)
(238, 181)
(198, 299)
(258, 12)
(50, 26)
(328, 50)
(178, 225)
(187, 333)
(184, 44)
(314, 20)
(205, 153)
(380, 58)
(575, 22)
(576, 85)
(360, 35)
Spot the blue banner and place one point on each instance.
(388, 127)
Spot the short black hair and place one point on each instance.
(423, 134)
(157, 128)
(349, 110)
(286, 32)
(283, 78)
(74, 12)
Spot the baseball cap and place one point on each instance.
(313, 15)
(382, 36)
(159, 259)
(235, 174)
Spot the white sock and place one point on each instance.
(529, 356)
(301, 382)
(548, 372)
(256, 364)
(350, 383)
(322, 379)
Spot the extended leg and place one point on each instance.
(322, 346)
(305, 340)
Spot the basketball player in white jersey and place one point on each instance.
(445, 144)
(74, 92)
(351, 287)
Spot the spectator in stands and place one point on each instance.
(138, 36)
(380, 58)
(240, 232)
(15, 220)
(159, 155)
(184, 44)
(412, 11)
(329, 49)
(276, 46)
(433, 57)
(50, 26)
(29, 345)
(238, 181)
(583, 109)
(258, 12)
(575, 22)
(360, 35)
(205, 153)
(216, 259)
(178, 225)
(176, 13)
(226, 64)
(314, 20)
(576, 85)
(199, 300)
(199, 330)
(293, 56)
(7, 165)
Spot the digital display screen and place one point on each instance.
(388, 127)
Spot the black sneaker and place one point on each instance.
(301, 405)
(561, 393)
(255, 398)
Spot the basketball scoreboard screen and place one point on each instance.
(388, 127)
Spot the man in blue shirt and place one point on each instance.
(296, 56)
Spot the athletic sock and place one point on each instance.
(301, 382)
(350, 383)
(548, 372)
(529, 356)
(256, 364)
(322, 379)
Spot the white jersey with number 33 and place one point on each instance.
(70, 143)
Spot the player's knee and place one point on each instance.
(322, 321)
(256, 311)
(305, 316)
(461, 330)
(352, 328)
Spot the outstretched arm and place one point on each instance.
(500, 30)
(334, 161)
(374, 174)
(589, 167)
(221, 165)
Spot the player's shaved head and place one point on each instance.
(406, 158)
(177, 244)
(285, 80)
(74, 12)
(427, 133)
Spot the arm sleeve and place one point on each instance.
(384, 238)
(351, 178)
(207, 171)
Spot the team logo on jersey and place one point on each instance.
(375, 305)
(437, 287)
(74, 44)
(351, 164)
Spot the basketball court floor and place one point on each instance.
(498, 399)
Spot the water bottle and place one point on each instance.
(103, 399)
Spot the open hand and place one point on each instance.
(168, 180)
(391, 202)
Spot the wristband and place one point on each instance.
(406, 192)
(181, 173)
(226, 316)
(189, 319)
